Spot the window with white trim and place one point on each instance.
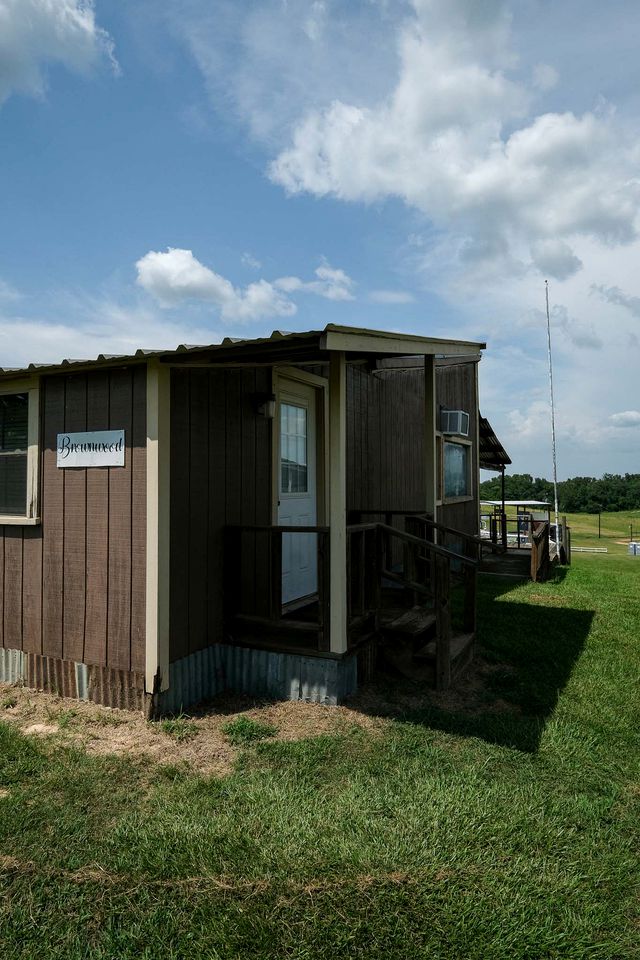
(18, 453)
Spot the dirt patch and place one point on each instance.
(40, 729)
(197, 741)
(204, 749)
(3, 793)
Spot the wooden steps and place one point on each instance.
(408, 644)
(410, 623)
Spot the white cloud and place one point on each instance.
(627, 418)
(176, 276)
(250, 261)
(78, 326)
(332, 283)
(555, 258)
(35, 33)
(545, 77)
(616, 296)
(391, 296)
(578, 333)
(456, 138)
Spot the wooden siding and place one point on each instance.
(220, 474)
(385, 438)
(73, 587)
(385, 442)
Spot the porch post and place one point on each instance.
(338, 502)
(158, 477)
(430, 427)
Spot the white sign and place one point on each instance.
(99, 448)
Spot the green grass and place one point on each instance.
(484, 835)
(181, 728)
(613, 527)
(245, 730)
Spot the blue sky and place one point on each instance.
(180, 170)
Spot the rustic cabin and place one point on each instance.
(275, 516)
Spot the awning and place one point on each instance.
(492, 455)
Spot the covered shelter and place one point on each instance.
(176, 523)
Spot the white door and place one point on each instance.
(297, 489)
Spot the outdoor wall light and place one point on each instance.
(265, 405)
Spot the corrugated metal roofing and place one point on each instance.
(277, 337)
(492, 455)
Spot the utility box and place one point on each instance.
(634, 549)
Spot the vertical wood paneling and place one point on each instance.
(32, 590)
(198, 498)
(234, 478)
(263, 502)
(77, 580)
(13, 587)
(2, 643)
(248, 499)
(217, 504)
(52, 513)
(220, 475)
(138, 517)
(97, 586)
(119, 598)
(180, 512)
(74, 562)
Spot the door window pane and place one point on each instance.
(293, 448)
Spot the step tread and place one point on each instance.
(411, 622)
(459, 644)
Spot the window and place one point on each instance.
(457, 472)
(293, 448)
(18, 455)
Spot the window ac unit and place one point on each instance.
(454, 421)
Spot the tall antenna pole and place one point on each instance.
(553, 419)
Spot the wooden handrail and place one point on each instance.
(432, 547)
(456, 533)
(274, 528)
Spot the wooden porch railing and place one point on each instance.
(423, 525)
(426, 570)
(263, 604)
(540, 560)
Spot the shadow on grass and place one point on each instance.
(525, 655)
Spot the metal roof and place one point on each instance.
(516, 503)
(492, 455)
(307, 346)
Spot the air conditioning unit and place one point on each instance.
(454, 421)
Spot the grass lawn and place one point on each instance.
(614, 527)
(503, 825)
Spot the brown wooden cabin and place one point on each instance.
(286, 511)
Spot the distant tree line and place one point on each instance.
(577, 495)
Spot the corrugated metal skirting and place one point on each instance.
(66, 678)
(11, 665)
(262, 673)
(200, 676)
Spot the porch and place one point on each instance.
(410, 601)
(275, 570)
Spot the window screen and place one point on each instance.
(293, 448)
(456, 470)
(14, 409)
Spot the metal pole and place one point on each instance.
(599, 509)
(553, 417)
